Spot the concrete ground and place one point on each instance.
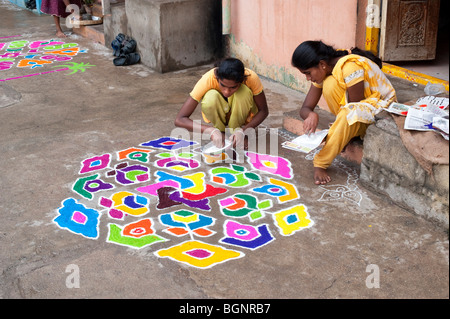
(360, 246)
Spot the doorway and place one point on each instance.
(439, 67)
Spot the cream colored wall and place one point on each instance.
(265, 33)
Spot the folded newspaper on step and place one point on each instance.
(428, 119)
(306, 143)
(441, 102)
(422, 103)
(429, 113)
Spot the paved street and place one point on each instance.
(75, 105)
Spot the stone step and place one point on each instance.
(387, 166)
(293, 123)
(390, 169)
(93, 32)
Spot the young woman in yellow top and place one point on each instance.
(354, 88)
(231, 96)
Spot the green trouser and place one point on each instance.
(235, 113)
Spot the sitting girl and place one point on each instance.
(354, 88)
(231, 96)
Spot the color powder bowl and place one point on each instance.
(211, 149)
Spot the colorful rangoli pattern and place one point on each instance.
(29, 57)
(199, 254)
(135, 235)
(153, 196)
(283, 191)
(242, 205)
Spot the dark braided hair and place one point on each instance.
(310, 53)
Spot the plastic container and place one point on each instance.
(434, 89)
(211, 149)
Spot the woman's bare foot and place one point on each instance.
(320, 176)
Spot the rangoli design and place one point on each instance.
(178, 162)
(129, 174)
(275, 165)
(241, 205)
(156, 187)
(134, 154)
(246, 236)
(282, 190)
(78, 219)
(349, 192)
(292, 220)
(237, 176)
(135, 235)
(95, 163)
(40, 55)
(184, 222)
(199, 254)
(169, 143)
(87, 186)
(125, 203)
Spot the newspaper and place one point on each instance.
(441, 124)
(441, 102)
(427, 119)
(426, 102)
(399, 109)
(436, 110)
(419, 120)
(306, 143)
(429, 113)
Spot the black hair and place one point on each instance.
(231, 69)
(310, 53)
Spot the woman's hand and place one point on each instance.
(310, 123)
(237, 139)
(310, 118)
(217, 138)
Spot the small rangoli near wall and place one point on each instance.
(39, 55)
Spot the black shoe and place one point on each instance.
(117, 44)
(127, 59)
(128, 46)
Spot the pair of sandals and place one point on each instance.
(128, 59)
(123, 48)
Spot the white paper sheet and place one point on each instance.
(306, 143)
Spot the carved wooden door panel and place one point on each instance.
(409, 30)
